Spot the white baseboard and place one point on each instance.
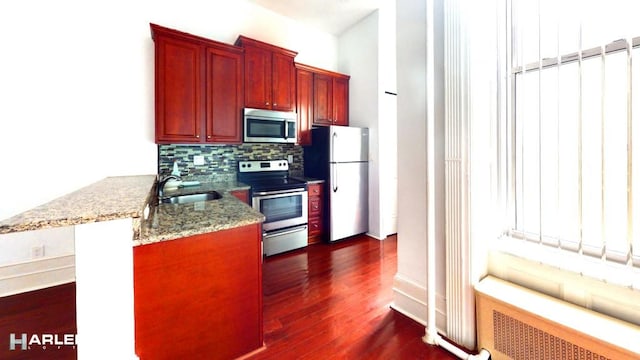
(36, 274)
(375, 236)
(410, 299)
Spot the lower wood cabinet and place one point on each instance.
(316, 212)
(242, 195)
(199, 297)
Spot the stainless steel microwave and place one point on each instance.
(268, 126)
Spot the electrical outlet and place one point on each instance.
(37, 251)
(198, 160)
(290, 159)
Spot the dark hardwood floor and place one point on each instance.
(331, 301)
(46, 311)
(328, 301)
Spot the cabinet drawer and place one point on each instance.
(314, 190)
(315, 206)
(315, 226)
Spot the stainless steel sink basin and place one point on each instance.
(191, 198)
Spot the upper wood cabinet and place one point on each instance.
(199, 89)
(304, 104)
(331, 99)
(269, 75)
(322, 100)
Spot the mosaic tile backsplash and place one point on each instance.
(221, 161)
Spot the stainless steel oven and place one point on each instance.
(285, 227)
(282, 200)
(282, 208)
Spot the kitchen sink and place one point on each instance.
(191, 198)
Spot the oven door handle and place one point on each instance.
(283, 232)
(266, 193)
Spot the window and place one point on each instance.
(574, 144)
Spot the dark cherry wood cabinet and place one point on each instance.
(225, 96)
(340, 100)
(242, 195)
(331, 99)
(269, 75)
(316, 212)
(322, 99)
(304, 104)
(199, 91)
(199, 296)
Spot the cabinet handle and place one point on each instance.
(208, 136)
(197, 136)
(267, 103)
(274, 104)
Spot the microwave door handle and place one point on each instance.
(286, 129)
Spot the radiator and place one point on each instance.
(517, 323)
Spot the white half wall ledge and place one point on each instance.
(104, 290)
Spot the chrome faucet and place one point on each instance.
(163, 182)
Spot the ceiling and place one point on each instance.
(332, 16)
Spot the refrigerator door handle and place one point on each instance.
(334, 136)
(334, 175)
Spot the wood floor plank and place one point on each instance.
(46, 311)
(331, 301)
(328, 301)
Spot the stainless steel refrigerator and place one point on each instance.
(340, 156)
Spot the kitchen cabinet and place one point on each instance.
(304, 105)
(322, 99)
(199, 296)
(199, 92)
(316, 212)
(242, 195)
(331, 99)
(269, 75)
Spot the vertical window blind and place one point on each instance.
(575, 127)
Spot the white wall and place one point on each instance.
(410, 281)
(367, 53)
(388, 119)
(77, 87)
(358, 57)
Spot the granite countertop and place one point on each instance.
(127, 197)
(174, 221)
(108, 199)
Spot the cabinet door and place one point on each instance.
(304, 106)
(242, 195)
(204, 291)
(341, 102)
(257, 65)
(323, 98)
(283, 82)
(179, 90)
(224, 96)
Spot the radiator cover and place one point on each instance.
(509, 330)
